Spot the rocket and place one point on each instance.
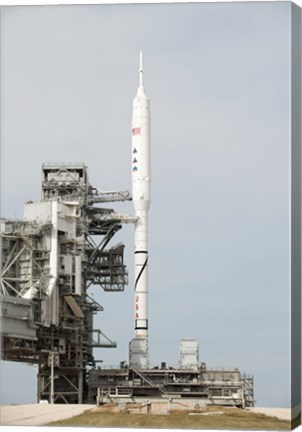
(141, 181)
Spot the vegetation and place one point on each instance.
(223, 419)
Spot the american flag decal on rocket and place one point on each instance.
(136, 131)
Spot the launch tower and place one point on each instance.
(49, 261)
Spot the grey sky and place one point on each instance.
(218, 76)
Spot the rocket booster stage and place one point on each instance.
(141, 179)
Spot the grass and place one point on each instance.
(230, 419)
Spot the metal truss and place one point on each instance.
(63, 349)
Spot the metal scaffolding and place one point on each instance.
(49, 261)
(210, 386)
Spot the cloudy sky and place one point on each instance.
(218, 76)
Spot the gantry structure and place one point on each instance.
(49, 261)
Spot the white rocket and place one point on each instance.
(141, 179)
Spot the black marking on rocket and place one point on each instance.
(141, 327)
(142, 269)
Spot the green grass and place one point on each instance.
(231, 419)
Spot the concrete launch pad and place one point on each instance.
(39, 414)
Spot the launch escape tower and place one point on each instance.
(49, 261)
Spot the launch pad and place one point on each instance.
(190, 380)
(206, 387)
(54, 329)
(54, 255)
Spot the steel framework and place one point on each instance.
(49, 261)
(212, 387)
